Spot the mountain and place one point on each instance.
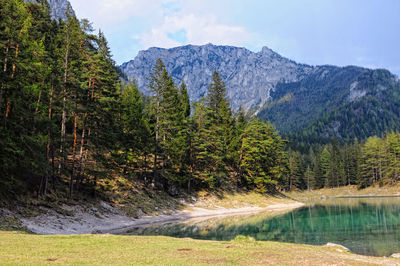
(249, 76)
(336, 101)
(58, 8)
(300, 100)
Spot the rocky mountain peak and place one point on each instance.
(267, 51)
(249, 77)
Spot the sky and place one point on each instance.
(336, 32)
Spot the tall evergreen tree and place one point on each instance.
(263, 161)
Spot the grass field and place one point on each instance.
(27, 249)
(20, 248)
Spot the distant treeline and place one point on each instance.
(376, 160)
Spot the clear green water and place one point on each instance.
(365, 226)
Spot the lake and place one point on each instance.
(368, 226)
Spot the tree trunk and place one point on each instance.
(156, 144)
(13, 65)
(38, 101)
(49, 148)
(6, 56)
(80, 172)
(4, 71)
(64, 111)
(71, 181)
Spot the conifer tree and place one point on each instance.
(134, 126)
(218, 122)
(296, 175)
(263, 160)
(157, 85)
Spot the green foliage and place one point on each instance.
(134, 128)
(345, 103)
(66, 119)
(374, 161)
(262, 157)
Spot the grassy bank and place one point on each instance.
(237, 200)
(27, 249)
(306, 196)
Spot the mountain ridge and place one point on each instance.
(293, 96)
(243, 70)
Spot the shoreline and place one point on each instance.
(200, 214)
(366, 196)
(109, 220)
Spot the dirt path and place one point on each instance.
(105, 219)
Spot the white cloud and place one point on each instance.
(105, 13)
(154, 23)
(199, 30)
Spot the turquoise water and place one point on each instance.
(365, 226)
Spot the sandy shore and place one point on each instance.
(106, 219)
(200, 214)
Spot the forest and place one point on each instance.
(68, 120)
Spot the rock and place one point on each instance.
(173, 191)
(395, 255)
(139, 213)
(58, 8)
(249, 77)
(338, 246)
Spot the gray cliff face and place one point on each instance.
(58, 8)
(249, 77)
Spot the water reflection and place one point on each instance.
(365, 226)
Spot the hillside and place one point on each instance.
(344, 102)
(322, 101)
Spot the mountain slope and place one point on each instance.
(298, 104)
(344, 102)
(313, 101)
(376, 112)
(249, 76)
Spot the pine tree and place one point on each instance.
(309, 178)
(170, 107)
(392, 141)
(218, 123)
(71, 37)
(371, 162)
(185, 101)
(235, 157)
(296, 175)
(325, 164)
(200, 156)
(157, 85)
(134, 127)
(263, 159)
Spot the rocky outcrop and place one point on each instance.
(59, 8)
(249, 76)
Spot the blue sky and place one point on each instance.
(337, 32)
